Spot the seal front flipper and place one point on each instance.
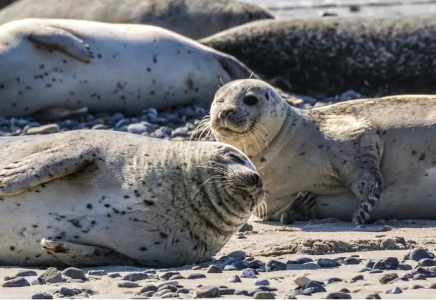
(62, 40)
(301, 208)
(44, 166)
(77, 255)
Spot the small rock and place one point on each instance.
(230, 268)
(196, 276)
(26, 273)
(97, 272)
(263, 295)
(114, 275)
(183, 291)
(315, 289)
(327, 263)
(255, 264)
(344, 290)
(247, 273)
(177, 276)
(38, 281)
(338, 295)
(427, 262)
(261, 282)
(207, 292)
(275, 265)
(333, 279)
(265, 288)
(196, 268)
(235, 278)
(431, 285)
(169, 274)
(364, 270)
(415, 287)
(169, 287)
(370, 264)
(51, 275)
(149, 288)
(16, 282)
(302, 281)
(290, 296)
(226, 291)
(388, 277)
(419, 253)
(405, 267)
(373, 296)
(357, 278)
(74, 273)
(63, 291)
(214, 269)
(351, 261)
(395, 290)
(42, 295)
(175, 283)
(246, 227)
(45, 129)
(242, 292)
(375, 271)
(135, 276)
(128, 284)
(419, 277)
(238, 255)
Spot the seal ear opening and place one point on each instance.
(236, 69)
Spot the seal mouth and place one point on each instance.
(232, 130)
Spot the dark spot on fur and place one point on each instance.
(148, 203)
(143, 249)
(413, 152)
(12, 248)
(422, 156)
(163, 235)
(89, 206)
(126, 196)
(262, 159)
(107, 205)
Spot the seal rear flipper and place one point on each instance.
(44, 166)
(58, 113)
(62, 40)
(78, 255)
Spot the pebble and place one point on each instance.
(214, 269)
(315, 289)
(207, 292)
(45, 129)
(149, 288)
(16, 282)
(246, 227)
(263, 295)
(114, 275)
(97, 272)
(230, 268)
(390, 263)
(431, 285)
(63, 291)
(182, 291)
(128, 284)
(247, 273)
(388, 277)
(52, 275)
(42, 295)
(415, 287)
(419, 277)
(290, 296)
(74, 273)
(167, 283)
(344, 290)
(169, 287)
(26, 274)
(395, 290)
(375, 271)
(365, 270)
(351, 261)
(357, 278)
(419, 253)
(373, 296)
(261, 282)
(177, 276)
(302, 281)
(135, 276)
(196, 276)
(305, 266)
(38, 281)
(255, 264)
(427, 262)
(405, 267)
(168, 275)
(226, 291)
(327, 263)
(332, 280)
(234, 279)
(275, 265)
(338, 295)
(266, 288)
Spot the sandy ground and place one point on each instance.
(316, 239)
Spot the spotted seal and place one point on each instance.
(377, 153)
(191, 18)
(115, 198)
(330, 56)
(71, 64)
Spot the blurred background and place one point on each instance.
(347, 8)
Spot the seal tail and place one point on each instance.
(236, 69)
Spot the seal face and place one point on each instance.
(377, 151)
(191, 18)
(330, 56)
(73, 64)
(93, 198)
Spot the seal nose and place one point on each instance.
(255, 179)
(226, 113)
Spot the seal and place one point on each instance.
(330, 56)
(116, 198)
(70, 64)
(377, 153)
(4, 3)
(191, 18)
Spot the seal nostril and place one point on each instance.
(257, 181)
(250, 100)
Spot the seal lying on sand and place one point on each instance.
(192, 18)
(331, 56)
(380, 152)
(117, 198)
(71, 64)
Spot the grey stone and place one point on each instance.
(415, 287)
(45, 129)
(357, 278)
(238, 255)
(149, 288)
(315, 289)
(431, 285)
(338, 295)
(230, 268)
(207, 292)
(214, 269)
(351, 261)
(42, 295)
(196, 268)
(261, 282)
(26, 273)
(196, 276)
(388, 277)
(344, 290)
(255, 264)
(168, 275)
(405, 267)
(263, 295)
(182, 291)
(177, 276)
(327, 263)
(332, 280)
(38, 281)
(169, 287)
(74, 273)
(275, 265)
(169, 295)
(427, 262)
(419, 253)
(128, 284)
(247, 273)
(419, 277)
(51, 275)
(373, 296)
(16, 282)
(67, 292)
(395, 290)
(375, 271)
(234, 279)
(226, 291)
(364, 270)
(135, 276)
(97, 272)
(114, 275)
(302, 281)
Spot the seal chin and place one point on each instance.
(247, 185)
(227, 129)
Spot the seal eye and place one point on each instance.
(236, 158)
(250, 100)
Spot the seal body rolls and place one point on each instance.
(330, 56)
(105, 67)
(376, 157)
(106, 197)
(192, 18)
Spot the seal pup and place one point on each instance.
(191, 18)
(330, 56)
(72, 64)
(378, 154)
(132, 199)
